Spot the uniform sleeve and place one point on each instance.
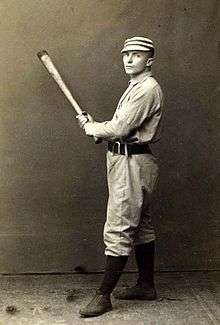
(141, 105)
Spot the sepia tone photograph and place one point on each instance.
(109, 154)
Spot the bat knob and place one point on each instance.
(42, 53)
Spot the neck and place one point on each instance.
(134, 77)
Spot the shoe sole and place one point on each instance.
(136, 298)
(84, 315)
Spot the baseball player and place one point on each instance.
(132, 174)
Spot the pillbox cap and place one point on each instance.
(138, 44)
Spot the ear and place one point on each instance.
(149, 62)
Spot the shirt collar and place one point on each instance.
(140, 77)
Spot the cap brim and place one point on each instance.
(136, 48)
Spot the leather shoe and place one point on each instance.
(136, 293)
(100, 304)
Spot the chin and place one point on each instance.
(129, 72)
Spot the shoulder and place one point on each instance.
(149, 88)
(149, 84)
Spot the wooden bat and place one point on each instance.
(47, 62)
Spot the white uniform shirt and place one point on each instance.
(137, 118)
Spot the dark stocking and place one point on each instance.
(113, 270)
(144, 254)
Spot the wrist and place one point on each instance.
(88, 128)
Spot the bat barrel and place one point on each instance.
(58, 79)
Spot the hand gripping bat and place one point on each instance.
(47, 62)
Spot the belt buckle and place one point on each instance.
(118, 147)
(126, 150)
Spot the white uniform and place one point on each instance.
(131, 179)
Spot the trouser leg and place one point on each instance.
(130, 181)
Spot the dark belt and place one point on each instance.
(132, 149)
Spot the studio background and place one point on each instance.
(53, 190)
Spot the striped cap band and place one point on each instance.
(137, 44)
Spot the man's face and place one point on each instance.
(135, 62)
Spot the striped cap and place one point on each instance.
(138, 44)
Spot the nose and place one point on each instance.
(130, 58)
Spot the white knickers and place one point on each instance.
(131, 182)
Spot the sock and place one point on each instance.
(144, 255)
(113, 270)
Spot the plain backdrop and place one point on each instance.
(53, 190)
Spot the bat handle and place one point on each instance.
(97, 140)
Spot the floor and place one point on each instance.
(184, 298)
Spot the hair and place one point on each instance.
(151, 53)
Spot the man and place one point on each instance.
(132, 174)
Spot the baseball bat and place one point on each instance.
(47, 62)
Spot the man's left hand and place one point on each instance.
(83, 119)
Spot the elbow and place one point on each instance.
(115, 130)
(121, 132)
